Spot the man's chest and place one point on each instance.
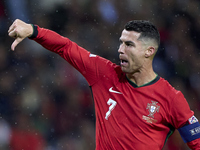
(131, 115)
(134, 107)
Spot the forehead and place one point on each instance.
(129, 35)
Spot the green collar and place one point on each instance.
(146, 84)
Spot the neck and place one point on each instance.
(143, 77)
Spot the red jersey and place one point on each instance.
(128, 117)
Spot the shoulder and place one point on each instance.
(106, 69)
(109, 66)
(167, 88)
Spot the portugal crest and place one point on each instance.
(153, 108)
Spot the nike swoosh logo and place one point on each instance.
(112, 91)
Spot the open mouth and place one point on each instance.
(123, 62)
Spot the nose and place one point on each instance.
(121, 49)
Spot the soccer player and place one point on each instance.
(135, 108)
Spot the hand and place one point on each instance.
(19, 30)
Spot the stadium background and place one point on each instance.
(45, 104)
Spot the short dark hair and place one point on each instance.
(146, 28)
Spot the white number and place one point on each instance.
(112, 104)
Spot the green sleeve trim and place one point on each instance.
(35, 32)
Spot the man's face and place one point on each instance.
(131, 52)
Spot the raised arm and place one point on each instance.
(89, 65)
(19, 30)
(47, 38)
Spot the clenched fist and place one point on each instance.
(19, 30)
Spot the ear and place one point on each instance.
(150, 51)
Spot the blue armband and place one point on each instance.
(190, 132)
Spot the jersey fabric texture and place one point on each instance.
(128, 117)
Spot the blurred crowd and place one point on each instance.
(45, 104)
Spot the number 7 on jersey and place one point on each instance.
(112, 104)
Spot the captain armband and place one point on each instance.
(190, 132)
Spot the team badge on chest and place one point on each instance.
(153, 108)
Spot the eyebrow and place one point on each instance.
(127, 42)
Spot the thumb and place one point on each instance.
(15, 43)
